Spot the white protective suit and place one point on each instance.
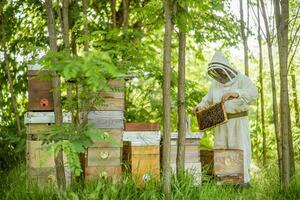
(234, 134)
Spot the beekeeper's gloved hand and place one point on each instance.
(229, 96)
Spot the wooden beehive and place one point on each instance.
(229, 166)
(40, 158)
(211, 116)
(40, 96)
(207, 160)
(141, 155)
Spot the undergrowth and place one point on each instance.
(264, 185)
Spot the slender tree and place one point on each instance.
(167, 98)
(262, 103)
(244, 37)
(113, 13)
(59, 162)
(125, 14)
(273, 85)
(85, 25)
(180, 159)
(281, 9)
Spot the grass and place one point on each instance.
(264, 185)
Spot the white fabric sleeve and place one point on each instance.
(247, 95)
(207, 99)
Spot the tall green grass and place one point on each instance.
(264, 185)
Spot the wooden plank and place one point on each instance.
(92, 173)
(228, 162)
(113, 95)
(111, 104)
(44, 118)
(38, 155)
(142, 137)
(104, 156)
(141, 126)
(114, 141)
(188, 142)
(106, 119)
(145, 150)
(231, 179)
(43, 175)
(40, 100)
(116, 84)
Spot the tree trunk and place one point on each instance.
(65, 15)
(113, 13)
(282, 18)
(244, 37)
(59, 163)
(180, 159)
(11, 86)
(167, 99)
(262, 105)
(125, 15)
(295, 97)
(85, 25)
(274, 90)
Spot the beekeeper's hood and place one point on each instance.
(220, 69)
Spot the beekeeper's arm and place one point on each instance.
(247, 94)
(207, 99)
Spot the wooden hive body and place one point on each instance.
(211, 116)
(141, 155)
(40, 157)
(192, 153)
(104, 158)
(229, 166)
(40, 96)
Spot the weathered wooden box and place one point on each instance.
(141, 126)
(106, 119)
(229, 166)
(207, 160)
(141, 155)
(40, 96)
(103, 162)
(37, 122)
(114, 138)
(112, 101)
(211, 116)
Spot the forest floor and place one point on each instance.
(264, 185)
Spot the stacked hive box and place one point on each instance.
(104, 158)
(141, 151)
(192, 153)
(207, 160)
(229, 166)
(40, 160)
(39, 157)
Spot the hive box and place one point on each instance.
(229, 166)
(40, 96)
(192, 153)
(40, 157)
(111, 101)
(106, 119)
(141, 155)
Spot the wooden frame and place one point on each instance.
(199, 115)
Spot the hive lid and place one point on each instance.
(191, 135)
(35, 67)
(145, 143)
(44, 118)
(106, 114)
(141, 136)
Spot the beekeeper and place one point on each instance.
(237, 92)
